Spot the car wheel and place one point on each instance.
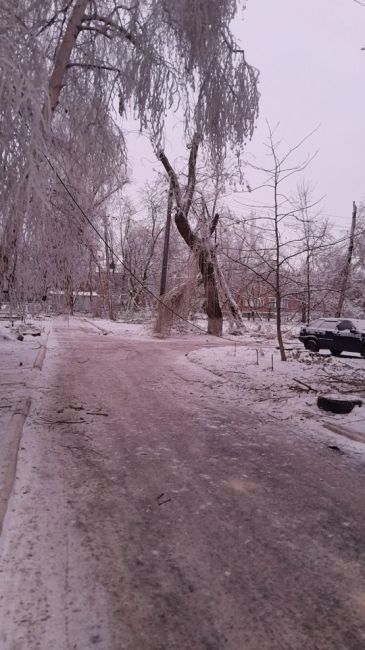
(335, 353)
(311, 345)
(337, 405)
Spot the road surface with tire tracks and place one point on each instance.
(152, 511)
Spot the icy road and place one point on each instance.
(152, 511)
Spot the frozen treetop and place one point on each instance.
(154, 55)
(66, 66)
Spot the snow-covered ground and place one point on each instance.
(127, 329)
(250, 368)
(143, 328)
(288, 390)
(20, 346)
(115, 422)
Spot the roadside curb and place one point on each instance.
(9, 446)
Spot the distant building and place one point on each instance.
(262, 302)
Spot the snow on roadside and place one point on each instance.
(122, 328)
(258, 332)
(254, 332)
(17, 357)
(287, 391)
(138, 330)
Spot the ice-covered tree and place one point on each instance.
(150, 56)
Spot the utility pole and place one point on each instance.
(165, 258)
(346, 269)
(107, 262)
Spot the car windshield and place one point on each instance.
(359, 324)
(323, 324)
(332, 324)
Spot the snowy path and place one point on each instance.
(152, 512)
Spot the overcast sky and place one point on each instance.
(312, 72)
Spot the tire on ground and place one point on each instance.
(311, 345)
(337, 405)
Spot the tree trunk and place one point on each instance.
(69, 297)
(309, 305)
(304, 312)
(62, 57)
(197, 245)
(7, 251)
(206, 268)
(107, 264)
(232, 305)
(346, 270)
(166, 241)
(278, 328)
(277, 270)
(212, 306)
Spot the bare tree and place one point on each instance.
(271, 256)
(140, 239)
(315, 239)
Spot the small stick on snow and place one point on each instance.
(314, 390)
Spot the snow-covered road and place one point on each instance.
(153, 511)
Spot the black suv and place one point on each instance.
(334, 334)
